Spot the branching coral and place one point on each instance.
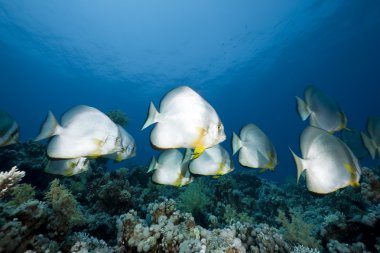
(21, 193)
(296, 229)
(195, 198)
(10, 179)
(66, 210)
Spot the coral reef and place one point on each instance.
(10, 179)
(123, 211)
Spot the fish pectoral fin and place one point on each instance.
(349, 168)
(355, 184)
(216, 176)
(198, 151)
(198, 143)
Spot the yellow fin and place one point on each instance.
(355, 184)
(352, 170)
(343, 123)
(198, 151)
(178, 182)
(263, 170)
(349, 168)
(198, 143)
(270, 165)
(216, 176)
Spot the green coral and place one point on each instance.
(65, 208)
(296, 229)
(21, 193)
(119, 117)
(195, 198)
(231, 215)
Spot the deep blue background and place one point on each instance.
(249, 59)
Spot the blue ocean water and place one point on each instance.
(249, 59)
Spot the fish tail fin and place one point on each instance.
(236, 143)
(152, 165)
(153, 115)
(303, 109)
(370, 145)
(299, 164)
(49, 128)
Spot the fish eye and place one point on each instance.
(219, 126)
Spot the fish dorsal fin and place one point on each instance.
(77, 112)
(308, 136)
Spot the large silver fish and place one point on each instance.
(323, 111)
(185, 120)
(255, 148)
(67, 167)
(327, 161)
(372, 142)
(85, 132)
(9, 131)
(171, 168)
(215, 161)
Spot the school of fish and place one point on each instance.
(187, 121)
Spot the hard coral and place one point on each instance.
(10, 179)
(370, 188)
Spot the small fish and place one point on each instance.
(9, 130)
(186, 120)
(127, 148)
(255, 148)
(85, 132)
(171, 168)
(324, 112)
(215, 161)
(67, 167)
(372, 142)
(328, 163)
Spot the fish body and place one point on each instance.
(185, 120)
(323, 111)
(85, 132)
(171, 168)
(9, 130)
(255, 148)
(215, 161)
(67, 167)
(328, 163)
